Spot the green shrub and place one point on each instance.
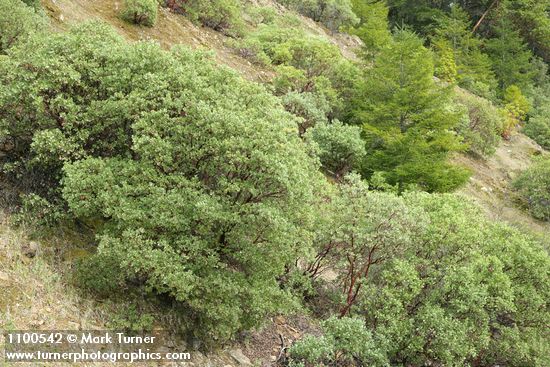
(17, 22)
(100, 274)
(304, 64)
(445, 64)
(39, 212)
(346, 341)
(194, 178)
(221, 15)
(538, 125)
(263, 15)
(259, 45)
(311, 350)
(341, 148)
(467, 290)
(432, 278)
(33, 4)
(130, 319)
(363, 229)
(312, 108)
(334, 14)
(538, 129)
(481, 125)
(534, 187)
(141, 12)
(515, 110)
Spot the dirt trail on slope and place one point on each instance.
(490, 184)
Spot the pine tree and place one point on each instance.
(406, 119)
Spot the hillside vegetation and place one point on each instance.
(320, 183)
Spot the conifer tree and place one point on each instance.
(406, 119)
(373, 28)
(473, 66)
(510, 56)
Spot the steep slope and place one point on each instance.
(35, 280)
(173, 29)
(490, 184)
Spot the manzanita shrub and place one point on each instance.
(141, 12)
(17, 21)
(195, 180)
(448, 289)
(533, 186)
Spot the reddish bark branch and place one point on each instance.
(484, 15)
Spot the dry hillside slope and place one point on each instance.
(490, 184)
(35, 295)
(173, 29)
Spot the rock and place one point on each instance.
(239, 356)
(31, 249)
(4, 278)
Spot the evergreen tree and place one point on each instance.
(406, 119)
(473, 66)
(510, 56)
(373, 28)
(532, 19)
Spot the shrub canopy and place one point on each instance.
(534, 187)
(140, 11)
(196, 181)
(17, 22)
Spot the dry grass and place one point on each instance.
(173, 29)
(35, 295)
(490, 185)
(169, 30)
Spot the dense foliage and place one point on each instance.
(538, 129)
(196, 177)
(516, 108)
(406, 119)
(340, 147)
(17, 21)
(345, 341)
(538, 125)
(372, 27)
(457, 47)
(332, 13)
(362, 229)
(221, 15)
(481, 124)
(227, 202)
(140, 11)
(316, 82)
(534, 188)
(458, 290)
